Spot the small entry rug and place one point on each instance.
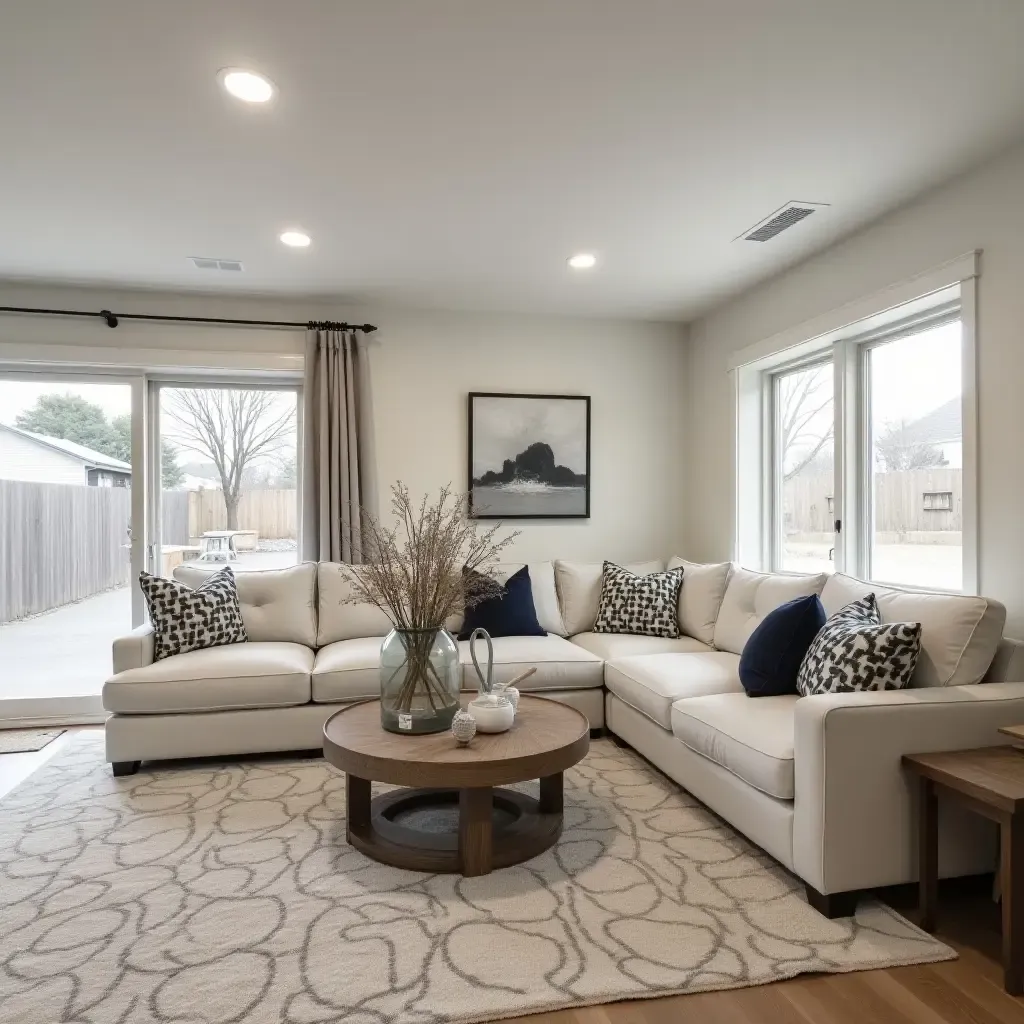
(208, 895)
(21, 741)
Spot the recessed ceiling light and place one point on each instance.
(582, 261)
(296, 239)
(246, 85)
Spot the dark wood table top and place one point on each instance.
(990, 775)
(547, 737)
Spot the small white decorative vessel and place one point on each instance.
(492, 712)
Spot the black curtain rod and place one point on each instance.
(112, 319)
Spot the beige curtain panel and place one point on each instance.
(338, 457)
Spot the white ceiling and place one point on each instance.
(453, 153)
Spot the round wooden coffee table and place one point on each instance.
(416, 828)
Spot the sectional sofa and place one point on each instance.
(815, 781)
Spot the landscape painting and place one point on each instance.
(529, 456)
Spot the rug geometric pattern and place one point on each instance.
(209, 895)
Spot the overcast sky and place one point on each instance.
(908, 379)
(503, 427)
(17, 396)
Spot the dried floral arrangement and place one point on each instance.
(431, 564)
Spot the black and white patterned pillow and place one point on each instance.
(190, 620)
(647, 605)
(855, 650)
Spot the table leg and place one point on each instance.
(1012, 877)
(551, 794)
(476, 827)
(357, 802)
(928, 853)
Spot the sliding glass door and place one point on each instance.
(70, 499)
(226, 490)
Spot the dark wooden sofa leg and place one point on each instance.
(619, 741)
(124, 768)
(598, 733)
(833, 905)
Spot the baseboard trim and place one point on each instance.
(52, 721)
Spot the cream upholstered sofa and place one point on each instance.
(308, 653)
(814, 781)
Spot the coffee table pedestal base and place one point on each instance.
(496, 827)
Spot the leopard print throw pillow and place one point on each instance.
(645, 605)
(855, 650)
(190, 620)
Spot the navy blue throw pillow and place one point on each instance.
(512, 613)
(771, 658)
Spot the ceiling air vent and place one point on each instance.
(206, 263)
(780, 220)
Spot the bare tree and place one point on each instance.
(232, 428)
(897, 450)
(803, 399)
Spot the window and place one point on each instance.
(857, 445)
(938, 501)
(803, 416)
(228, 475)
(915, 440)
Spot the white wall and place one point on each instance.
(981, 210)
(23, 459)
(423, 366)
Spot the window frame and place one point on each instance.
(909, 306)
(774, 519)
(864, 510)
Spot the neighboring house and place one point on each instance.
(941, 428)
(36, 457)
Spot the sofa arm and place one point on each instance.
(855, 810)
(134, 650)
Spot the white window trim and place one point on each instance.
(773, 549)
(844, 332)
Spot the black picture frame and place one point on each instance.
(545, 513)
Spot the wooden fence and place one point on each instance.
(271, 513)
(905, 502)
(60, 543)
(174, 510)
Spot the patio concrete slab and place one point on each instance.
(67, 652)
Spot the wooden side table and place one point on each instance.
(990, 782)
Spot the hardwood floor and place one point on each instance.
(964, 991)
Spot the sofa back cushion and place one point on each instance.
(278, 605)
(700, 596)
(579, 591)
(750, 596)
(959, 633)
(337, 620)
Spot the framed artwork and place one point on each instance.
(529, 456)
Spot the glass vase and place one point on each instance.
(419, 680)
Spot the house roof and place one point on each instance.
(87, 456)
(936, 427)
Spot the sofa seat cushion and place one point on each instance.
(247, 675)
(652, 683)
(347, 670)
(611, 646)
(753, 739)
(561, 665)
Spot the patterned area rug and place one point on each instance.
(21, 741)
(228, 894)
